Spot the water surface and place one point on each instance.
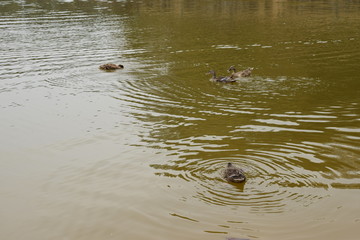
(136, 153)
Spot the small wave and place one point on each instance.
(272, 181)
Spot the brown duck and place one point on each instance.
(214, 78)
(111, 66)
(244, 73)
(233, 174)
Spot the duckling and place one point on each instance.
(221, 78)
(244, 73)
(111, 66)
(233, 174)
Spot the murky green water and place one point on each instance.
(136, 153)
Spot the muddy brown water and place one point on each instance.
(136, 153)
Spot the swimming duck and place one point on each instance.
(221, 78)
(233, 174)
(111, 66)
(244, 73)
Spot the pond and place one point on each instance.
(137, 153)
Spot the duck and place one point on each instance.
(111, 66)
(220, 78)
(244, 73)
(234, 174)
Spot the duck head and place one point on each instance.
(231, 68)
(234, 174)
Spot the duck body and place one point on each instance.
(234, 174)
(111, 66)
(244, 73)
(223, 79)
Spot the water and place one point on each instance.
(136, 153)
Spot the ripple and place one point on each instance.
(300, 116)
(272, 181)
(277, 122)
(287, 155)
(346, 130)
(259, 128)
